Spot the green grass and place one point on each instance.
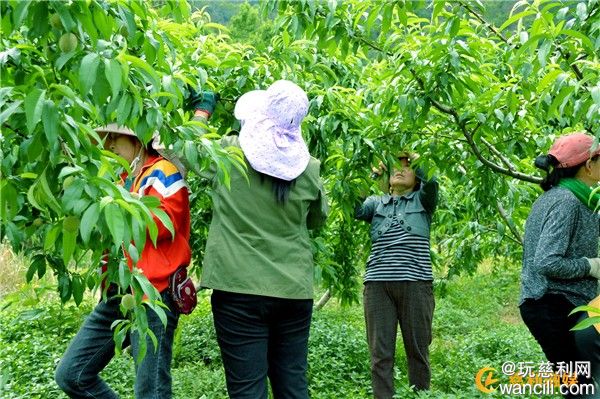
(476, 324)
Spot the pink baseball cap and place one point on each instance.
(573, 149)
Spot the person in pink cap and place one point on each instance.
(258, 259)
(561, 267)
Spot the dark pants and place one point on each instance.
(549, 322)
(93, 347)
(387, 304)
(588, 345)
(263, 336)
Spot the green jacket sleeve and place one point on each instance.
(318, 209)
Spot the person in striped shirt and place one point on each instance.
(93, 346)
(398, 283)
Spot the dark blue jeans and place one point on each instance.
(263, 336)
(93, 347)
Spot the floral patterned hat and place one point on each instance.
(270, 137)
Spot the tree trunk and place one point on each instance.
(323, 301)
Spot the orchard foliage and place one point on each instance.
(66, 68)
(477, 101)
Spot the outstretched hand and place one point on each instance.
(204, 101)
(378, 172)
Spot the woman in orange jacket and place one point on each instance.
(93, 346)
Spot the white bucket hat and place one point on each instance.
(270, 136)
(156, 144)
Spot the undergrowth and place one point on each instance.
(476, 325)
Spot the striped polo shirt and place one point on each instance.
(399, 256)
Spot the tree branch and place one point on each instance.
(497, 153)
(509, 223)
(469, 136)
(573, 66)
(483, 21)
(448, 110)
(563, 54)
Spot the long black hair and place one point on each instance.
(553, 174)
(280, 188)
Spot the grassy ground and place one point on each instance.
(476, 324)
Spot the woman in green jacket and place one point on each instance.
(258, 258)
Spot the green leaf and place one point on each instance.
(88, 221)
(563, 95)
(113, 72)
(49, 197)
(160, 312)
(78, 287)
(115, 221)
(19, 12)
(143, 347)
(102, 22)
(85, 18)
(51, 237)
(582, 12)
(50, 120)
(133, 253)
(64, 58)
(65, 16)
(34, 266)
(34, 103)
(590, 321)
(595, 91)
(548, 79)
(515, 18)
(143, 66)
(585, 41)
(139, 232)
(69, 241)
(11, 109)
(124, 275)
(388, 12)
(87, 72)
(64, 287)
(146, 286)
(124, 109)
(8, 199)
(165, 220)
(121, 328)
(585, 308)
(69, 170)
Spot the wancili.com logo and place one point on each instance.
(529, 378)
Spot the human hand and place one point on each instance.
(410, 156)
(204, 101)
(594, 267)
(378, 172)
